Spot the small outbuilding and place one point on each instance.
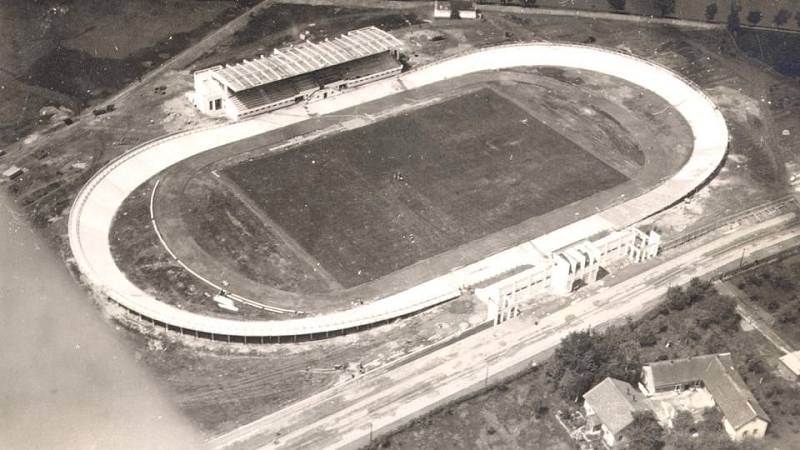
(13, 172)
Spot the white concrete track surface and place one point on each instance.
(95, 207)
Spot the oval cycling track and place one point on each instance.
(96, 205)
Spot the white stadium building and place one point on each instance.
(305, 72)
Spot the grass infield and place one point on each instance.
(370, 201)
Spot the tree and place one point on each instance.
(754, 17)
(677, 299)
(720, 310)
(788, 314)
(618, 5)
(734, 23)
(540, 408)
(711, 11)
(697, 290)
(648, 340)
(583, 359)
(572, 385)
(683, 422)
(782, 17)
(665, 7)
(712, 421)
(644, 433)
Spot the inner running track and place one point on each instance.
(96, 205)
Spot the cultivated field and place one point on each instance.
(373, 200)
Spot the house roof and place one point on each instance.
(614, 402)
(792, 362)
(720, 378)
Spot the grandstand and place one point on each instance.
(304, 72)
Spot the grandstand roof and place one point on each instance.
(306, 57)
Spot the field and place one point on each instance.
(370, 201)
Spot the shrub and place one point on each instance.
(782, 17)
(683, 421)
(618, 5)
(647, 340)
(711, 11)
(540, 408)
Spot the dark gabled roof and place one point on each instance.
(720, 378)
(614, 403)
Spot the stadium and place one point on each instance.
(380, 196)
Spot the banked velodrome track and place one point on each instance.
(94, 209)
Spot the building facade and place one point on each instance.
(560, 272)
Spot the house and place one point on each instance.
(742, 415)
(790, 366)
(454, 9)
(610, 406)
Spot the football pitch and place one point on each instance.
(369, 201)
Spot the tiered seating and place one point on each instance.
(370, 65)
(263, 96)
(277, 92)
(287, 89)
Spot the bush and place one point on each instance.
(782, 17)
(647, 340)
(711, 11)
(788, 314)
(677, 299)
(683, 421)
(618, 5)
(540, 408)
(755, 365)
(665, 7)
(754, 17)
